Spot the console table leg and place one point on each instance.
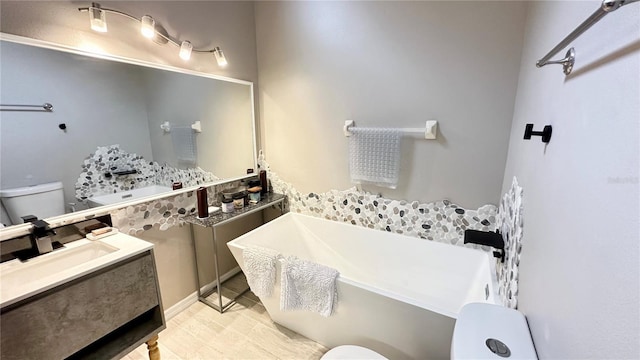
(152, 346)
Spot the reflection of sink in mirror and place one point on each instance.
(134, 194)
(17, 274)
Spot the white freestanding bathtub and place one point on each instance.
(397, 295)
(133, 194)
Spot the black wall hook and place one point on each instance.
(545, 133)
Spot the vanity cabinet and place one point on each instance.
(102, 315)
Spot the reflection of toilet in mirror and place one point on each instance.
(43, 201)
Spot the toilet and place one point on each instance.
(352, 352)
(43, 201)
(482, 331)
(488, 331)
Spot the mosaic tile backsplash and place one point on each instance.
(93, 179)
(165, 212)
(441, 221)
(510, 224)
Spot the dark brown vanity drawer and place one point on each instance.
(63, 320)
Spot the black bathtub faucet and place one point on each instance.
(489, 238)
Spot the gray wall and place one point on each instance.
(33, 145)
(393, 64)
(579, 272)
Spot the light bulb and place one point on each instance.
(185, 50)
(148, 26)
(98, 18)
(222, 61)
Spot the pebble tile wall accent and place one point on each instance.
(441, 221)
(108, 159)
(165, 212)
(510, 223)
(167, 175)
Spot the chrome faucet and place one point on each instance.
(41, 237)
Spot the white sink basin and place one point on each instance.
(20, 280)
(52, 263)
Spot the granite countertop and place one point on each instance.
(220, 217)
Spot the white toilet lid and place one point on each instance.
(352, 352)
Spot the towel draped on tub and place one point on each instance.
(260, 269)
(308, 286)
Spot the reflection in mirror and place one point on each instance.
(118, 130)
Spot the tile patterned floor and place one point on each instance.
(245, 331)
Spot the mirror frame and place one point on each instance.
(12, 231)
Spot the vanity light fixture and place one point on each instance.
(222, 61)
(98, 18)
(185, 50)
(149, 29)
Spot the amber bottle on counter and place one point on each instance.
(263, 182)
(203, 203)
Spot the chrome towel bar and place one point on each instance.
(570, 58)
(18, 107)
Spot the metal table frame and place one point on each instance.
(218, 219)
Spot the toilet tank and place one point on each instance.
(488, 331)
(43, 201)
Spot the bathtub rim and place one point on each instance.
(106, 199)
(493, 296)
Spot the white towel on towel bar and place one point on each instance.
(374, 156)
(308, 286)
(260, 269)
(184, 143)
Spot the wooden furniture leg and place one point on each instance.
(152, 346)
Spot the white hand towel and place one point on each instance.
(184, 144)
(308, 286)
(374, 156)
(260, 269)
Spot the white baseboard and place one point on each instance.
(193, 297)
(229, 274)
(181, 306)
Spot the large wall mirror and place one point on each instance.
(117, 125)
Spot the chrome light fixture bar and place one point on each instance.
(98, 21)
